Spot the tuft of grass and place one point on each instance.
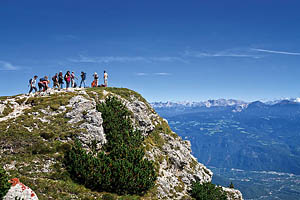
(47, 135)
(55, 107)
(127, 94)
(180, 187)
(123, 92)
(64, 147)
(154, 139)
(54, 101)
(109, 196)
(193, 164)
(20, 101)
(129, 198)
(96, 93)
(3, 98)
(41, 148)
(7, 110)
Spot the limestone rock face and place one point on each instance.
(19, 191)
(179, 170)
(2, 106)
(84, 110)
(143, 114)
(233, 194)
(11, 103)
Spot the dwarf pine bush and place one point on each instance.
(207, 191)
(121, 167)
(4, 184)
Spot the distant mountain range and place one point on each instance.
(208, 103)
(218, 103)
(236, 134)
(174, 108)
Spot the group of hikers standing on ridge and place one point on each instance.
(69, 78)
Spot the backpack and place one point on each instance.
(30, 81)
(83, 76)
(93, 84)
(54, 78)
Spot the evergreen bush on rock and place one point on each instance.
(120, 167)
(207, 191)
(4, 184)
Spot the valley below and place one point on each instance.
(254, 145)
(267, 185)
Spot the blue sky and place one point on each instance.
(165, 50)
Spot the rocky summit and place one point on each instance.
(36, 131)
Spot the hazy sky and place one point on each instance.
(165, 50)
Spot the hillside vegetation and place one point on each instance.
(97, 143)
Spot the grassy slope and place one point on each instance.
(37, 156)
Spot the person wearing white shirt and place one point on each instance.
(33, 84)
(105, 77)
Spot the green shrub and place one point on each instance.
(47, 135)
(41, 148)
(54, 107)
(207, 191)
(4, 184)
(117, 125)
(121, 167)
(64, 147)
(108, 197)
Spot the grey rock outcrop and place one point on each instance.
(17, 109)
(83, 111)
(2, 107)
(233, 194)
(178, 168)
(143, 114)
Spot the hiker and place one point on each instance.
(32, 83)
(43, 84)
(67, 79)
(60, 80)
(95, 82)
(55, 81)
(83, 77)
(73, 82)
(105, 76)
